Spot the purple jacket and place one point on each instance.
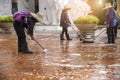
(19, 15)
(28, 24)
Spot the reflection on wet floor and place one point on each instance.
(66, 60)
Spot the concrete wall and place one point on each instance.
(5, 7)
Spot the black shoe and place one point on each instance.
(27, 52)
(62, 39)
(69, 39)
(113, 42)
(20, 50)
(107, 42)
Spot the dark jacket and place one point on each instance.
(64, 22)
(30, 25)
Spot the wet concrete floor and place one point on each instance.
(65, 60)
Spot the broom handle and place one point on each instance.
(36, 40)
(39, 44)
(100, 33)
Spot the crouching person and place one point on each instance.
(24, 22)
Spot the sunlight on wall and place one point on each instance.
(100, 2)
(52, 9)
(78, 8)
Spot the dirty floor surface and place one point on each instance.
(65, 60)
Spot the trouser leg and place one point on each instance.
(108, 35)
(22, 43)
(62, 34)
(112, 35)
(67, 34)
(20, 46)
(115, 30)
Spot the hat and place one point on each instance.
(66, 8)
(39, 17)
(108, 5)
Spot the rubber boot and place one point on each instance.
(68, 37)
(25, 49)
(61, 37)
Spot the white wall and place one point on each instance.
(52, 10)
(26, 5)
(5, 7)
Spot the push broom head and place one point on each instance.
(45, 51)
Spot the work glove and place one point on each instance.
(107, 25)
(32, 37)
(69, 24)
(27, 32)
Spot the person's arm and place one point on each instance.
(67, 18)
(63, 17)
(109, 18)
(113, 19)
(32, 37)
(31, 23)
